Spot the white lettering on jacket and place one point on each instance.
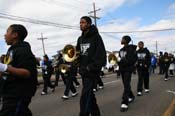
(84, 48)
(141, 55)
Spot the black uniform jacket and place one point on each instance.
(19, 56)
(128, 58)
(92, 51)
(143, 59)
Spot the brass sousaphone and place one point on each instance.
(69, 55)
(112, 59)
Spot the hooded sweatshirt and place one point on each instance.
(128, 58)
(143, 59)
(92, 50)
(19, 56)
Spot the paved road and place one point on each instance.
(152, 104)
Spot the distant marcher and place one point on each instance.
(166, 61)
(47, 70)
(161, 63)
(172, 65)
(153, 63)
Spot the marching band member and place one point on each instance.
(47, 70)
(171, 67)
(126, 66)
(69, 76)
(143, 65)
(166, 62)
(19, 74)
(92, 58)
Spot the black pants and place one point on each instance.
(75, 80)
(98, 81)
(69, 85)
(88, 103)
(153, 68)
(166, 72)
(57, 76)
(143, 78)
(126, 79)
(161, 69)
(13, 106)
(171, 72)
(47, 82)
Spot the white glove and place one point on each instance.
(3, 67)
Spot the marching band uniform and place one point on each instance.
(126, 65)
(92, 58)
(47, 71)
(143, 65)
(166, 62)
(69, 75)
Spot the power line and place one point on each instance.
(142, 31)
(83, 2)
(63, 3)
(29, 20)
(58, 46)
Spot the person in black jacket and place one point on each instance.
(171, 67)
(161, 63)
(92, 58)
(57, 71)
(166, 62)
(19, 74)
(69, 76)
(143, 65)
(126, 66)
(47, 70)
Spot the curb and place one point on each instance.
(170, 110)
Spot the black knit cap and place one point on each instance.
(127, 38)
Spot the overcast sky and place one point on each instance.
(115, 16)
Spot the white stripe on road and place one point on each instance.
(169, 91)
(111, 82)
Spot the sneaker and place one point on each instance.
(123, 108)
(130, 100)
(165, 79)
(101, 87)
(77, 86)
(94, 90)
(43, 93)
(74, 94)
(139, 93)
(146, 90)
(65, 97)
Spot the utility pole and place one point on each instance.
(42, 39)
(156, 48)
(94, 14)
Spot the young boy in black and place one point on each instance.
(19, 74)
(143, 65)
(126, 67)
